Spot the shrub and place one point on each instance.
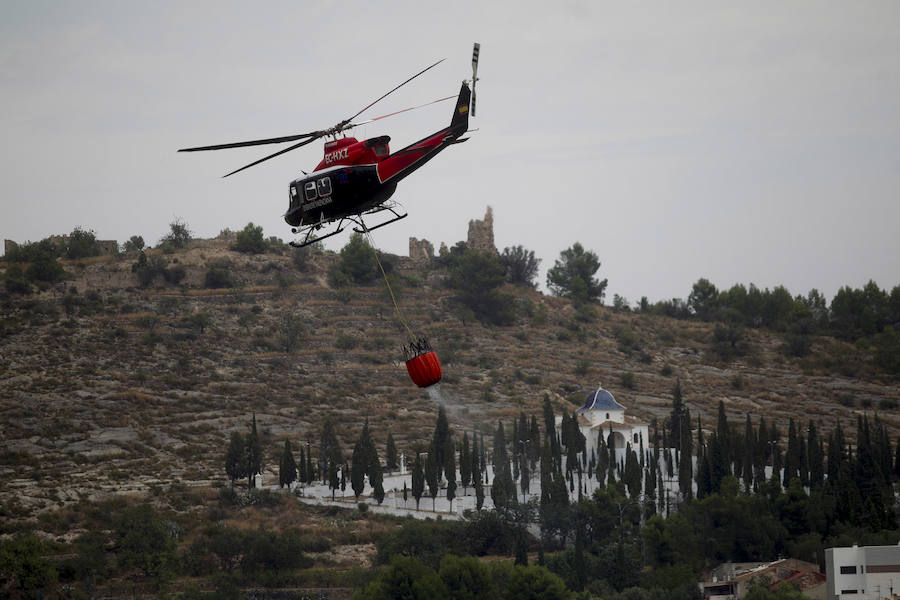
(82, 243)
(134, 244)
(219, 275)
(250, 240)
(179, 234)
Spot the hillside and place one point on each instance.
(110, 387)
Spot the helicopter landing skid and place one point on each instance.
(308, 237)
(363, 228)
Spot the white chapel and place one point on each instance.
(601, 414)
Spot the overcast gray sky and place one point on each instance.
(741, 142)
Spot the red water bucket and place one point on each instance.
(425, 369)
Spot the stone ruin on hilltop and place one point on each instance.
(481, 237)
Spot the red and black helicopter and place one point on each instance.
(357, 178)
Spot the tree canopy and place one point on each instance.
(572, 275)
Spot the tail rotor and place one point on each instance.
(475, 51)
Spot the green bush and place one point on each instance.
(82, 244)
(250, 240)
(219, 275)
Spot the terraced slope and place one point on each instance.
(134, 388)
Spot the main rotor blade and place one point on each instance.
(278, 140)
(279, 153)
(394, 90)
(400, 111)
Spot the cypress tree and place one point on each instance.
(632, 472)
(550, 430)
(287, 467)
(546, 476)
(747, 456)
(450, 471)
(804, 459)
(478, 482)
(440, 441)
(333, 481)
(301, 466)
(329, 449)
(525, 481)
(310, 471)
(725, 439)
(534, 447)
(358, 470)
(431, 475)
(418, 479)
(465, 463)
(611, 461)
(254, 455)
(235, 465)
(792, 458)
(376, 479)
(391, 453)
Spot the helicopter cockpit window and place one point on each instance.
(310, 190)
(381, 150)
(324, 186)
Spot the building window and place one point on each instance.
(848, 591)
(635, 438)
(848, 570)
(607, 416)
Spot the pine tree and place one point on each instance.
(287, 467)
(235, 465)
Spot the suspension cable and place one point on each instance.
(412, 337)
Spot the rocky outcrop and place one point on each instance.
(420, 250)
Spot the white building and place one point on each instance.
(602, 415)
(862, 572)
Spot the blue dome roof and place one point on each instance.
(601, 400)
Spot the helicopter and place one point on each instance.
(357, 178)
